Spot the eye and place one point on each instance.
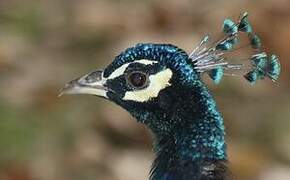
(138, 79)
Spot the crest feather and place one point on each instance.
(216, 60)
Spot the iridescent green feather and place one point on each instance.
(244, 25)
(216, 74)
(255, 41)
(252, 77)
(229, 27)
(274, 67)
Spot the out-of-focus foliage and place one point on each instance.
(43, 44)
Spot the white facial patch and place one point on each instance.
(158, 82)
(120, 71)
(145, 62)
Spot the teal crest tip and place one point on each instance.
(219, 58)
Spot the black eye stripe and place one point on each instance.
(146, 68)
(139, 67)
(122, 83)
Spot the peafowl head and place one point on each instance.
(147, 80)
(150, 80)
(161, 86)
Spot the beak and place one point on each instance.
(92, 83)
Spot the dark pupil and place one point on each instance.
(137, 79)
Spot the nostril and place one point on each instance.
(94, 76)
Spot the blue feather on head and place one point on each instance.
(213, 60)
(161, 86)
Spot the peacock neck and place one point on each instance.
(195, 143)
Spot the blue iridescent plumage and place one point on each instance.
(229, 27)
(244, 24)
(214, 61)
(166, 54)
(274, 67)
(255, 41)
(188, 129)
(216, 75)
(251, 76)
(259, 60)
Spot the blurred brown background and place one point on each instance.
(44, 44)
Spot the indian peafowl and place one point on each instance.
(161, 86)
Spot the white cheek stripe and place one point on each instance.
(158, 82)
(120, 71)
(145, 62)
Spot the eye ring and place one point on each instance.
(137, 79)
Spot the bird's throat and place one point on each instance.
(196, 142)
